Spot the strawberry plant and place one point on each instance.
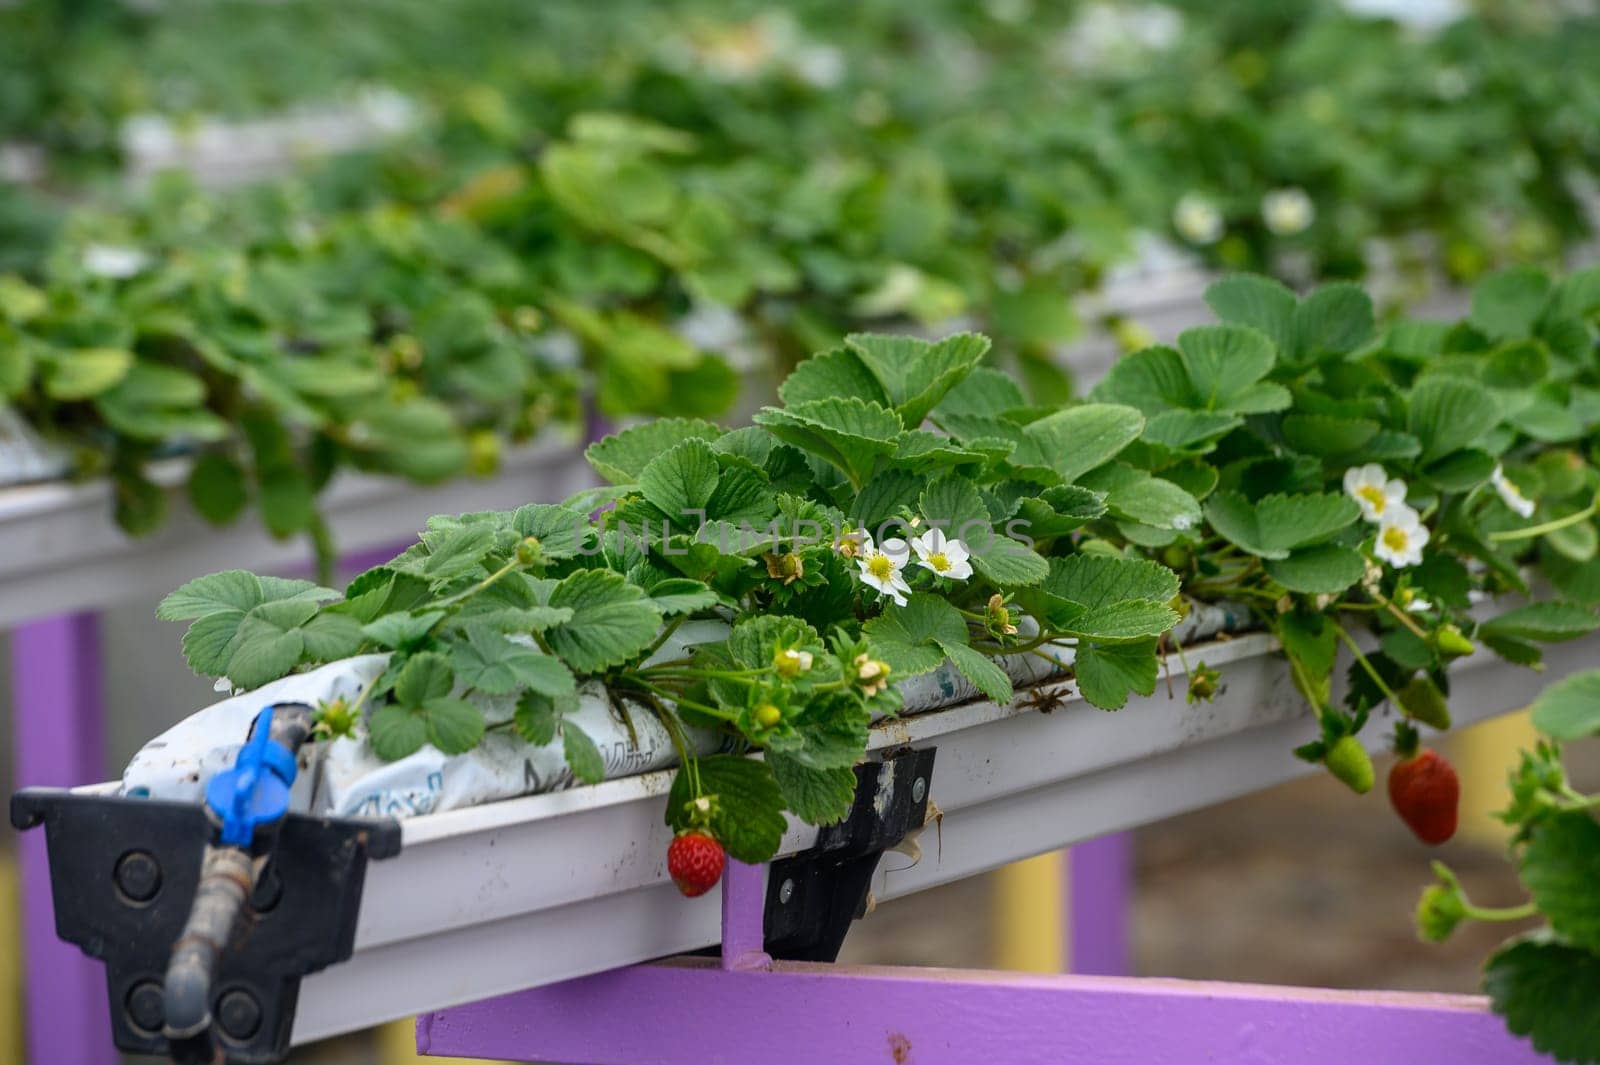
(905, 506)
(1545, 981)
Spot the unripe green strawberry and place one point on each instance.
(1450, 642)
(530, 551)
(1348, 761)
(1422, 701)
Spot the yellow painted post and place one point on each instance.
(1030, 901)
(1483, 755)
(10, 963)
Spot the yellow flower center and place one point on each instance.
(768, 716)
(1396, 538)
(1374, 495)
(938, 561)
(881, 567)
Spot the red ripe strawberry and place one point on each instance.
(1424, 790)
(695, 861)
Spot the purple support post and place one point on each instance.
(1099, 886)
(744, 903)
(690, 1011)
(60, 741)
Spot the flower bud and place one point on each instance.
(1441, 906)
(786, 567)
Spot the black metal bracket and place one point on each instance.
(123, 873)
(813, 897)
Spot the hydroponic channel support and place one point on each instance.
(59, 737)
(1099, 892)
(698, 1011)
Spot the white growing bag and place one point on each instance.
(345, 779)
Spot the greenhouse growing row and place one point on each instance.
(651, 533)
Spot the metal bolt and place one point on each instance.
(785, 892)
(919, 788)
(138, 876)
(144, 1007)
(239, 1014)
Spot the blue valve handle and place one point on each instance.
(255, 791)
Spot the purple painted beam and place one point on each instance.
(1099, 891)
(689, 1011)
(60, 741)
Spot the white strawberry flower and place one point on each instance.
(1401, 537)
(1196, 220)
(942, 556)
(1374, 491)
(1287, 211)
(881, 566)
(115, 261)
(1510, 494)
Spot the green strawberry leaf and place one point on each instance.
(912, 638)
(454, 726)
(1547, 622)
(1546, 990)
(980, 669)
(269, 642)
(1135, 495)
(1107, 675)
(331, 636)
(562, 531)
(1323, 436)
(681, 481)
(208, 644)
(402, 631)
(1073, 441)
(235, 590)
(817, 796)
(1152, 380)
(621, 457)
(1258, 302)
(1334, 319)
(581, 755)
(838, 372)
(612, 620)
(916, 374)
(1325, 569)
(681, 595)
(1450, 413)
(747, 816)
(395, 732)
(1276, 525)
(1100, 580)
(488, 661)
(1508, 304)
(426, 675)
(846, 432)
(1569, 709)
(1561, 866)
(1223, 361)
